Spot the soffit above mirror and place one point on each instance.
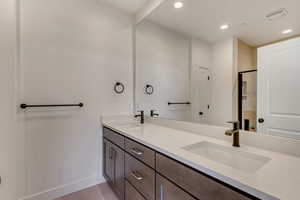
(247, 19)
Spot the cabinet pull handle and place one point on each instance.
(114, 155)
(137, 176)
(136, 151)
(111, 153)
(162, 196)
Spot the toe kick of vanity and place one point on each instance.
(137, 172)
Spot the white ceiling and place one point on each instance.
(129, 6)
(202, 19)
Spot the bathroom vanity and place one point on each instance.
(153, 162)
(137, 172)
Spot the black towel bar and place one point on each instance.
(24, 105)
(174, 103)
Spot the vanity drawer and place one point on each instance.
(140, 152)
(140, 176)
(165, 190)
(114, 137)
(131, 193)
(195, 183)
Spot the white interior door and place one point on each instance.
(200, 94)
(279, 89)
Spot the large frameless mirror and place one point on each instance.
(212, 61)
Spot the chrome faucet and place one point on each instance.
(235, 132)
(142, 116)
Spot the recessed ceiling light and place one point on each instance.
(287, 31)
(178, 4)
(224, 27)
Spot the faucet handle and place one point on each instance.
(153, 113)
(236, 124)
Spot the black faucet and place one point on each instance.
(235, 133)
(152, 113)
(141, 115)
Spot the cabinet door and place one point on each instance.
(118, 168)
(108, 163)
(165, 190)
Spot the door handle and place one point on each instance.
(136, 151)
(137, 176)
(261, 120)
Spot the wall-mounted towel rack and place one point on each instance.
(179, 103)
(24, 105)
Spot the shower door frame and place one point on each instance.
(240, 95)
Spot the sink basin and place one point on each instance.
(230, 156)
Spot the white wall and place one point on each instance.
(218, 61)
(71, 51)
(162, 61)
(171, 61)
(11, 140)
(201, 53)
(222, 82)
(201, 59)
(174, 64)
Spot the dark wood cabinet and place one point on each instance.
(197, 184)
(108, 162)
(113, 167)
(131, 193)
(165, 190)
(118, 166)
(114, 137)
(140, 176)
(136, 172)
(140, 152)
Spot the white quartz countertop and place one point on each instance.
(279, 178)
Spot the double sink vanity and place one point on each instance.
(154, 162)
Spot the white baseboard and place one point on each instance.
(65, 189)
